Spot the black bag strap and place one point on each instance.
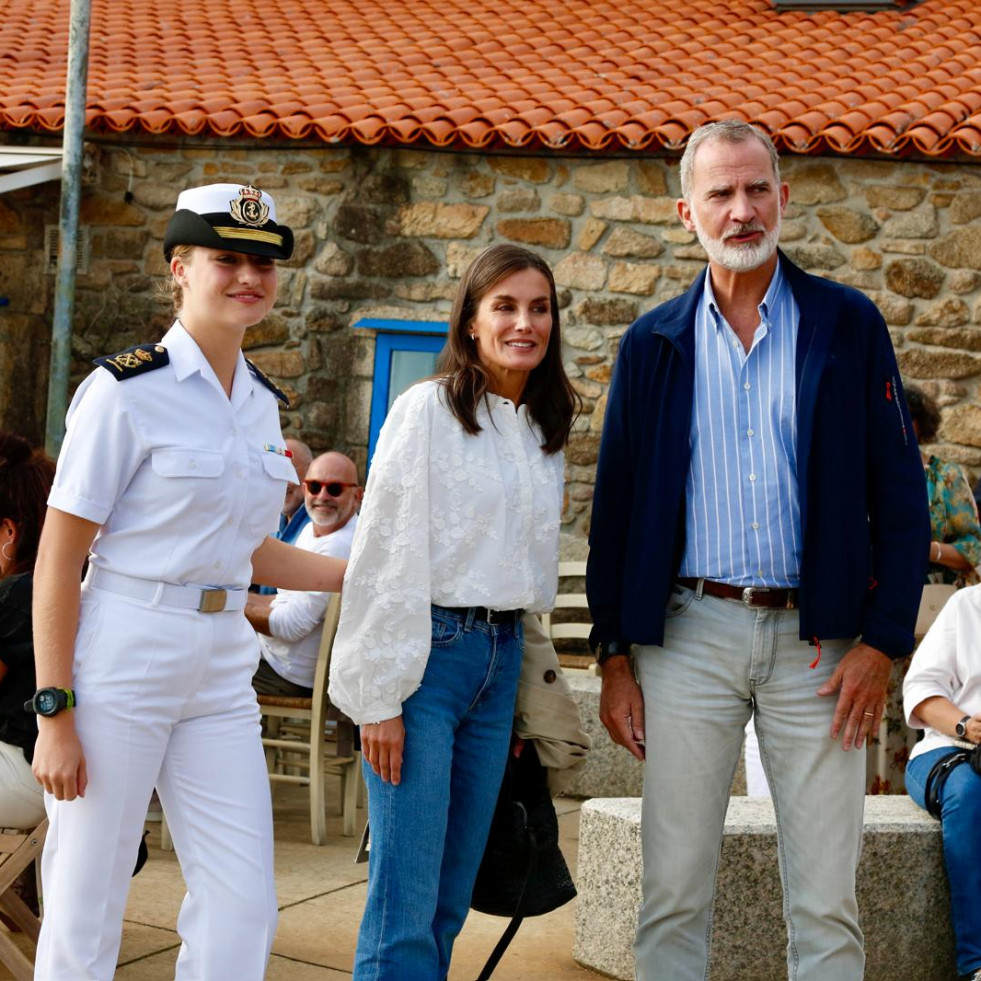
(937, 777)
(512, 928)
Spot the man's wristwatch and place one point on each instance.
(50, 701)
(961, 727)
(606, 649)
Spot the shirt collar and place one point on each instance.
(768, 304)
(186, 358)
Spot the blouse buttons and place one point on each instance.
(549, 676)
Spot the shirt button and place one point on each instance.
(747, 386)
(240, 474)
(750, 432)
(192, 465)
(759, 572)
(230, 521)
(549, 676)
(752, 476)
(755, 525)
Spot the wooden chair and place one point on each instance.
(565, 600)
(568, 601)
(17, 850)
(297, 738)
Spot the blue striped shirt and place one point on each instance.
(742, 520)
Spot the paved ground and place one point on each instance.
(321, 896)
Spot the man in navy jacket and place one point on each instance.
(758, 544)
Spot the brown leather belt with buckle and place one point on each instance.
(751, 596)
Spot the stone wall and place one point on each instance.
(387, 233)
(26, 307)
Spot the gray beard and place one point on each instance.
(738, 258)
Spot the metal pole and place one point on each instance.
(71, 191)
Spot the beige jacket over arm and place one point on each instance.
(546, 711)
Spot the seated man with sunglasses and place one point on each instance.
(289, 623)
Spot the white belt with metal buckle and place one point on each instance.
(204, 599)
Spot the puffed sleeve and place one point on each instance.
(933, 670)
(384, 635)
(102, 450)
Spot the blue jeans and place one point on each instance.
(722, 663)
(960, 807)
(428, 833)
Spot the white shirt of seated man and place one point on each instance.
(289, 623)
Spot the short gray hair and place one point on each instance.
(725, 131)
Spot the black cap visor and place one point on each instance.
(221, 231)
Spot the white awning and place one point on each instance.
(24, 166)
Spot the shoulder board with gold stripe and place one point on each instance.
(134, 361)
(259, 376)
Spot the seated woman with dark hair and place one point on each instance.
(955, 550)
(25, 479)
(942, 696)
(956, 546)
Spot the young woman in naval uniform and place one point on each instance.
(172, 473)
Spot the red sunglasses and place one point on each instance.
(333, 487)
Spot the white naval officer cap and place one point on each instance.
(237, 217)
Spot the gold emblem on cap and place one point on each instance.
(249, 209)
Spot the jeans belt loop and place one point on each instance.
(468, 622)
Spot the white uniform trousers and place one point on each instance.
(165, 699)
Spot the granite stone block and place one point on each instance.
(902, 893)
(610, 771)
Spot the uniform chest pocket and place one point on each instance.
(279, 467)
(182, 462)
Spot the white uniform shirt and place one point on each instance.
(947, 663)
(296, 617)
(450, 519)
(177, 474)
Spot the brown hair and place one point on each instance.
(550, 398)
(26, 476)
(169, 291)
(924, 413)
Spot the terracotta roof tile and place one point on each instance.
(587, 75)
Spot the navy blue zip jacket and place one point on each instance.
(863, 504)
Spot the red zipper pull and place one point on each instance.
(817, 644)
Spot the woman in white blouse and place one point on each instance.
(942, 695)
(458, 535)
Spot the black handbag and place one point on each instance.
(523, 872)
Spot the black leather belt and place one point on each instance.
(752, 596)
(510, 617)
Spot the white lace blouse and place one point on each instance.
(448, 519)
